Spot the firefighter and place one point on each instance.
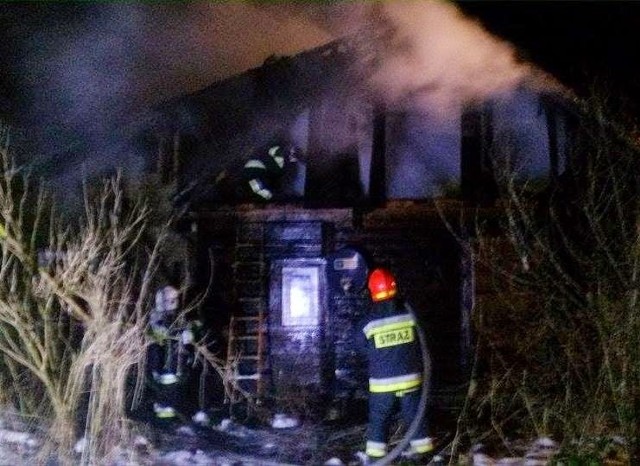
(263, 173)
(170, 352)
(395, 367)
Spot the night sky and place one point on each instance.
(582, 43)
(64, 64)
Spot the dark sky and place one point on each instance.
(66, 63)
(580, 42)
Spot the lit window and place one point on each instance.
(300, 296)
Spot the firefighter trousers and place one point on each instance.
(382, 407)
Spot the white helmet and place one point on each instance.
(167, 300)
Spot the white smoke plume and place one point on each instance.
(427, 52)
(118, 58)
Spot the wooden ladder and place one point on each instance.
(246, 352)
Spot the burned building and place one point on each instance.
(378, 185)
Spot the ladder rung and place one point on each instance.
(247, 333)
(255, 330)
(247, 377)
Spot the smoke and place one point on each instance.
(427, 53)
(89, 75)
(199, 43)
(98, 64)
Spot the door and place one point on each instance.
(297, 321)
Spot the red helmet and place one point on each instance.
(382, 285)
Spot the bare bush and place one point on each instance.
(559, 338)
(74, 300)
(72, 305)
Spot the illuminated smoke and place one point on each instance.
(428, 53)
(90, 75)
(196, 44)
(121, 57)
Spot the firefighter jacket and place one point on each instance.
(171, 349)
(263, 174)
(393, 349)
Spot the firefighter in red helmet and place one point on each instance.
(395, 367)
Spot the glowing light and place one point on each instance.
(300, 303)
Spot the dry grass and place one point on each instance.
(74, 299)
(559, 335)
(72, 312)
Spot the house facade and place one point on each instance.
(378, 181)
(394, 186)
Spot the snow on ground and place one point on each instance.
(224, 444)
(231, 444)
(180, 447)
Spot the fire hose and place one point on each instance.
(422, 407)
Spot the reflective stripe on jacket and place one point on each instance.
(262, 175)
(393, 349)
(389, 324)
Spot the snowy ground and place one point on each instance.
(230, 444)
(222, 444)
